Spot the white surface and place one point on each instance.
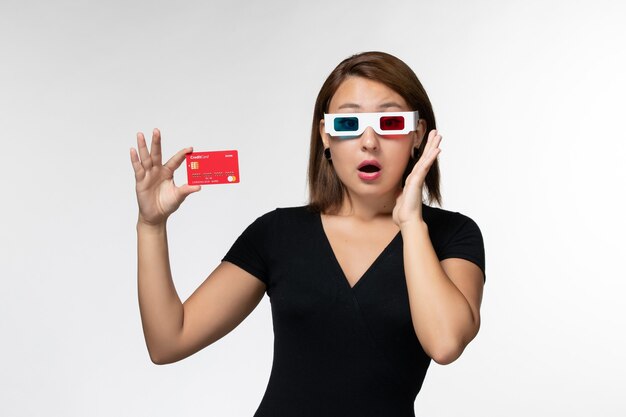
(529, 97)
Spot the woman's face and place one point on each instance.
(391, 153)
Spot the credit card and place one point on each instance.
(213, 167)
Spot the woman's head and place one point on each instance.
(326, 191)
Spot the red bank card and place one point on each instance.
(216, 167)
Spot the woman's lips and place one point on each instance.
(371, 172)
(369, 176)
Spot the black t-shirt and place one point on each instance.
(340, 350)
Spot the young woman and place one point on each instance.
(367, 283)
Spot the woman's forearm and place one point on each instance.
(160, 307)
(442, 317)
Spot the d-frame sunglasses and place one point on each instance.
(352, 125)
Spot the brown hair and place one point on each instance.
(325, 189)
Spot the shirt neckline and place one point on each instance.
(381, 256)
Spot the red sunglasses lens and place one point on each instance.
(392, 123)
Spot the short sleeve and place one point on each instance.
(466, 242)
(250, 250)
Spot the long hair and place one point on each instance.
(325, 188)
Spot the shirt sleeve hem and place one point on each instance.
(246, 267)
(467, 258)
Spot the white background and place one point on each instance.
(529, 97)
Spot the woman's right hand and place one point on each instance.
(157, 195)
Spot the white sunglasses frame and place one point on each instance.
(411, 119)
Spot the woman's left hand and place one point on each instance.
(408, 206)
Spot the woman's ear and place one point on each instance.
(323, 134)
(420, 133)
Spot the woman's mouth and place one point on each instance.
(369, 170)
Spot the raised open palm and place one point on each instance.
(409, 202)
(157, 195)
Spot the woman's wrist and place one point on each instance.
(413, 226)
(147, 226)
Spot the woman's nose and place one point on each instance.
(369, 139)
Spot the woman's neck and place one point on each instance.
(367, 208)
